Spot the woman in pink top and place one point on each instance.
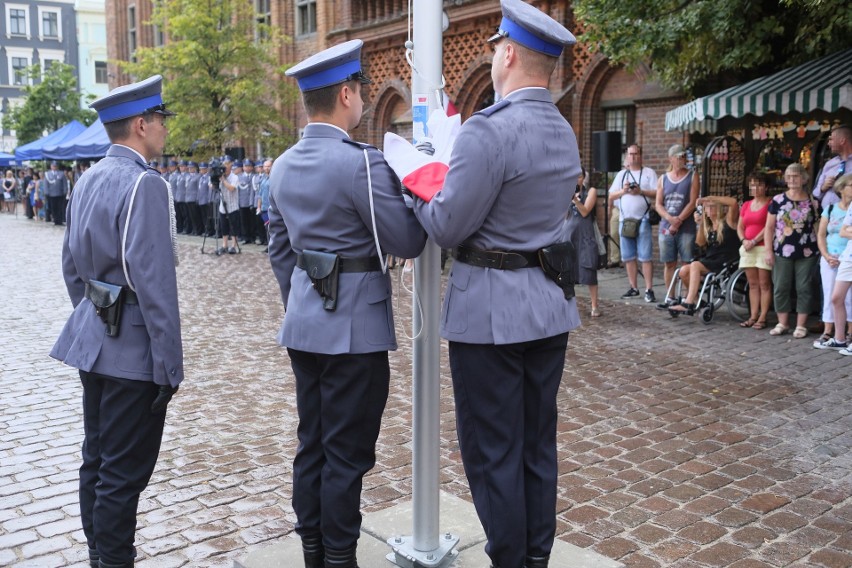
(752, 251)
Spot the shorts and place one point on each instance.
(755, 258)
(642, 246)
(844, 272)
(680, 244)
(229, 224)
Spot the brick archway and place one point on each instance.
(587, 116)
(476, 91)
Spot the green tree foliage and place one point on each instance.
(688, 43)
(50, 103)
(220, 75)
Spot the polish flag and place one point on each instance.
(419, 172)
(449, 107)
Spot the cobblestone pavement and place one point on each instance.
(680, 444)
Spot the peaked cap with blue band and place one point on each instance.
(532, 28)
(331, 66)
(132, 100)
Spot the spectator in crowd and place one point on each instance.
(580, 230)
(613, 242)
(634, 190)
(10, 184)
(791, 228)
(26, 180)
(750, 228)
(717, 235)
(831, 246)
(677, 193)
(840, 143)
(229, 209)
(33, 195)
(843, 280)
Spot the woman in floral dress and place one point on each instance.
(791, 228)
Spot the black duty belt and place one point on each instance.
(499, 259)
(129, 296)
(365, 264)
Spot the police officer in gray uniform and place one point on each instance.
(178, 181)
(193, 213)
(118, 260)
(206, 210)
(246, 200)
(56, 188)
(325, 231)
(503, 203)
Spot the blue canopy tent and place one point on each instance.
(91, 143)
(33, 150)
(6, 159)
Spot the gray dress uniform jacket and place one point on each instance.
(316, 207)
(55, 184)
(178, 181)
(244, 187)
(512, 173)
(191, 194)
(203, 189)
(148, 346)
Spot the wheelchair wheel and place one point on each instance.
(737, 296)
(707, 314)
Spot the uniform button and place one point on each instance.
(173, 371)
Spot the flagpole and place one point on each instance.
(425, 548)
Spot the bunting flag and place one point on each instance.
(421, 173)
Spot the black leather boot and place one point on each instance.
(94, 557)
(536, 561)
(341, 558)
(313, 550)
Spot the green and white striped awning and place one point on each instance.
(824, 84)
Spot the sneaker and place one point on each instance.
(220, 251)
(830, 343)
(847, 351)
(649, 296)
(631, 293)
(232, 250)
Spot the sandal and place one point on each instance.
(759, 324)
(748, 323)
(780, 329)
(800, 332)
(596, 313)
(687, 308)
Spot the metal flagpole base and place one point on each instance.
(406, 556)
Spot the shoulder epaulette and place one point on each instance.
(495, 107)
(360, 145)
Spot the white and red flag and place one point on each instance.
(419, 172)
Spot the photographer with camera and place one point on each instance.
(634, 189)
(229, 206)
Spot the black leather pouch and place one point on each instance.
(323, 268)
(108, 300)
(559, 262)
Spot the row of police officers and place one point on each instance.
(508, 307)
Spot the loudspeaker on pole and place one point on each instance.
(606, 151)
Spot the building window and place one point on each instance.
(18, 21)
(47, 64)
(131, 31)
(19, 70)
(306, 16)
(159, 37)
(50, 25)
(100, 72)
(616, 119)
(263, 17)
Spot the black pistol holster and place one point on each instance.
(559, 263)
(108, 300)
(323, 268)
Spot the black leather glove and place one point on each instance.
(164, 395)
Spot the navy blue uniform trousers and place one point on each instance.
(120, 448)
(340, 400)
(506, 420)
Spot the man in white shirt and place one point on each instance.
(634, 189)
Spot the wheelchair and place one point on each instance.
(729, 285)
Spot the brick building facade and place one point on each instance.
(590, 93)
